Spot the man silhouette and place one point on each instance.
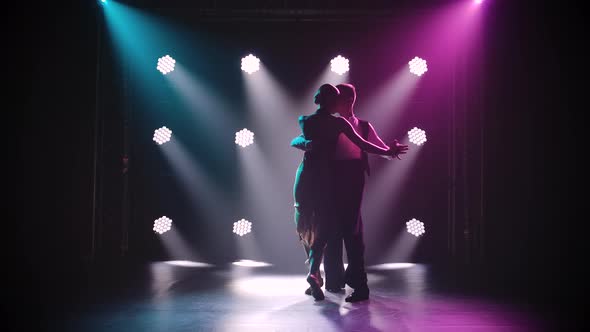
(315, 183)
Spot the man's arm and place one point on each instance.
(346, 128)
(374, 137)
(301, 143)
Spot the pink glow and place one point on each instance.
(446, 33)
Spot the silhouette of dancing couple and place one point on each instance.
(328, 190)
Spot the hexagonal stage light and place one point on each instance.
(244, 137)
(250, 64)
(417, 136)
(339, 65)
(415, 227)
(162, 225)
(242, 227)
(418, 66)
(166, 64)
(162, 135)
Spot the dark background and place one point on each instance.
(532, 243)
(293, 53)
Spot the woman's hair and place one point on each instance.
(328, 94)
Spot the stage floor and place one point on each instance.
(175, 297)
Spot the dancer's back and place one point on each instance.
(323, 129)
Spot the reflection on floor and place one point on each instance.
(188, 296)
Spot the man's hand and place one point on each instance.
(396, 149)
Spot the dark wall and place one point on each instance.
(55, 141)
(533, 150)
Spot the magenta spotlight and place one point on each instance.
(242, 227)
(418, 66)
(250, 64)
(162, 225)
(478, 1)
(244, 137)
(166, 64)
(417, 136)
(339, 65)
(162, 135)
(415, 227)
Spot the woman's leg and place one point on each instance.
(323, 232)
(304, 209)
(313, 278)
(302, 224)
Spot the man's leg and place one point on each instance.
(356, 276)
(333, 264)
(349, 185)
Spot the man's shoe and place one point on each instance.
(358, 295)
(334, 289)
(316, 289)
